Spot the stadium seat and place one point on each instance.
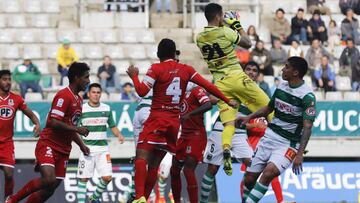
(333, 6)
(308, 81)
(32, 51)
(94, 66)
(94, 79)
(78, 50)
(295, 5)
(128, 36)
(351, 96)
(114, 97)
(115, 52)
(17, 21)
(33, 96)
(93, 52)
(51, 51)
(264, 34)
(86, 36)
(33, 6)
(48, 36)
(25, 36)
(104, 97)
(43, 66)
(121, 66)
(151, 51)
(333, 96)
(40, 21)
(143, 66)
(337, 51)
(319, 96)
(269, 80)
(12, 6)
(51, 6)
(125, 79)
(50, 96)
(10, 52)
(6, 36)
(343, 83)
(108, 36)
(136, 52)
(67, 34)
(2, 21)
(146, 36)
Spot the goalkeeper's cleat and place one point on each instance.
(140, 200)
(227, 161)
(131, 198)
(161, 200)
(92, 199)
(171, 197)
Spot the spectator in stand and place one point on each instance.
(300, 27)
(278, 54)
(334, 34)
(355, 78)
(263, 85)
(325, 76)
(349, 60)
(65, 57)
(276, 84)
(295, 49)
(262, 57)
(350, 26)
(107, 73)
(318, 29)
(159, 5)
(314, 5)
(313, 56)
(128, 93)
(280, 27)
(254, 37)
(27, 75)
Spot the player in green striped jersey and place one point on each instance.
(96, 116)
(287, 134)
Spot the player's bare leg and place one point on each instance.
(227, 135)
(153, 168)
(259, 188)
(44, 194)
(9, 180)
(175, 170)
(47, 180)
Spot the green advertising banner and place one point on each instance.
(333, 118)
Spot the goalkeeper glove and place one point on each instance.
(232, 20)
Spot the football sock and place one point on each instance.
(275, 184)
(9, 186)
(192, 186)
(257, 193)
(35, 197)
(81, 193)
(140, 177)
(162, 185)
(150, 181)
(227, 135)
(246, 192)
(206, 185)
(242, 189)
(32, 186)
(176, 183)
(100, 187)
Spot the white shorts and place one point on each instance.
(140, 117)
(214, 152)
(100, 161)
(275, 149)
(165, 166)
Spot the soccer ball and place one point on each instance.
(230, 16)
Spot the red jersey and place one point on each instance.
(8, 107)
(65, 107)
(193, 100)
(259, 128)
(168, 80)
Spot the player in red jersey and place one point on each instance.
(192, 142)
(54, 146)
(168, 80)
(9, 104)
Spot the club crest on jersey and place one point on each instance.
(188, 149)
(11, 102)
(6, 112)
(184, 106)
(75, 118)
(60, 102)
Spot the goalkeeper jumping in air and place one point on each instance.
(217, 43)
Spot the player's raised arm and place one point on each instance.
(142, 88)
(240, 38)
(205, 102)
(30, 114)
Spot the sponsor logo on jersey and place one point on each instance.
(310, 111)
(188, 149)
(6, 112)
(11, 102)
(75, 118)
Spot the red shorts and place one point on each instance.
(7, 156)
(159, 133)
(46, 156)
(190, 147)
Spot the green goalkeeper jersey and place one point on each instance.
(217, 47)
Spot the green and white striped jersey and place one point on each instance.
(96, 119)
(145, 101)
(292, 105)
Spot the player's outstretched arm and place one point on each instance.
(30, 114)
(297, 165)
(141, 88)
(263, 112)
(200, 110)
(245, 41)
(116, 132)
(198, 79)
(59, 125)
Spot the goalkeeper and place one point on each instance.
(216, 43)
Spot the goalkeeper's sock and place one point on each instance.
(257, 193)
(227, 135)
(100, 187)
(81, 193)
(275, 184)
(206, 185)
